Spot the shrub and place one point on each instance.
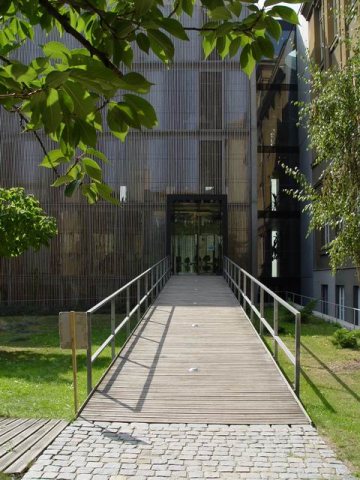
(306, 312)
(344, 338)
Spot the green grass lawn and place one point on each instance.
(330, 384)
(36, 375)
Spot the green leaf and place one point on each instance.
(53, 159)
(4, 6)
(86, 131)
(143, 42)
(234, 46)
(247, 60)
(105, 192)
(174, 27)
(273, 27)
(56, 78)
(208, 44)
(72, 187)
(286, 13)
(163, 41)
(57, 50)
(62, 180)
(142, 6)
(144, 110)
(235, 8)
(98, 154)
(116, 122)
(52, 115)
(220, 13)
(92, 168)
(188, 6)
(266, 46)
(135, 82)
(269, 3)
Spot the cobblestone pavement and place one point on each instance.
(139, 451)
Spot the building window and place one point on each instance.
(123, 193)
(211, 166)
(275, 253)
(320, 32)
(340, 302)
(324, 299)
(325, 236)
(211, 100)
(356, 304)
(274, 189)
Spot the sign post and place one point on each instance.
(73, 335)
(74, 359)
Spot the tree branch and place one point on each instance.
(74, 33)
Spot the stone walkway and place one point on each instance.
(139, 451)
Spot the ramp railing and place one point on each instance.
(251, 292)
(147, 286)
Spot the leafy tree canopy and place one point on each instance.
(71, 93)
(23, 223)
(332, 119)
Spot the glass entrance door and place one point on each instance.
(196, 238)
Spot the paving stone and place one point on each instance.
(137, 451)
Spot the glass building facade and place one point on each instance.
(278, 144)
(200, 154)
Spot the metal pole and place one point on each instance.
(276, 328)
(147, 290)
(252, 300)
(88, 354)
(152, 285)
(261, 328)
(74, 360)
(128, 311)
(238, 283)
(113, 328)
(297, 353)
(138, 300)
(244, 300)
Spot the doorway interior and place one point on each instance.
(197, 233)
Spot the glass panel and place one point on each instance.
(196, 238)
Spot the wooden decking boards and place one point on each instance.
(22, 440)
(195, 358)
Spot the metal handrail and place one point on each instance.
(158, 275)
(354, 311)
(238, 279)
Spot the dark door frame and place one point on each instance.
(197, 198)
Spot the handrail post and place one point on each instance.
(138, 299)
(88, 354)
(152, 285)
(261, 326)
(112, 316)
(244, 299)
(252, 300)
(147, 291)
(276, 328)
(297, 353)
(128, 311)
(238, 283)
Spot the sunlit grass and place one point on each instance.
(330, 383)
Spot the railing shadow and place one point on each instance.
(332, 373)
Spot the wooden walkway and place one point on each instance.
(21, 441)
(195, 358)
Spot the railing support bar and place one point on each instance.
(128, 311)
(261, 328)
(88, 354)
(297, 352)
(113, 328)
(276, 327)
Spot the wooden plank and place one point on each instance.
(5, 438)
(24, 441)
(196, 322)
(42, 442)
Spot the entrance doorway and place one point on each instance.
(197, 233)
